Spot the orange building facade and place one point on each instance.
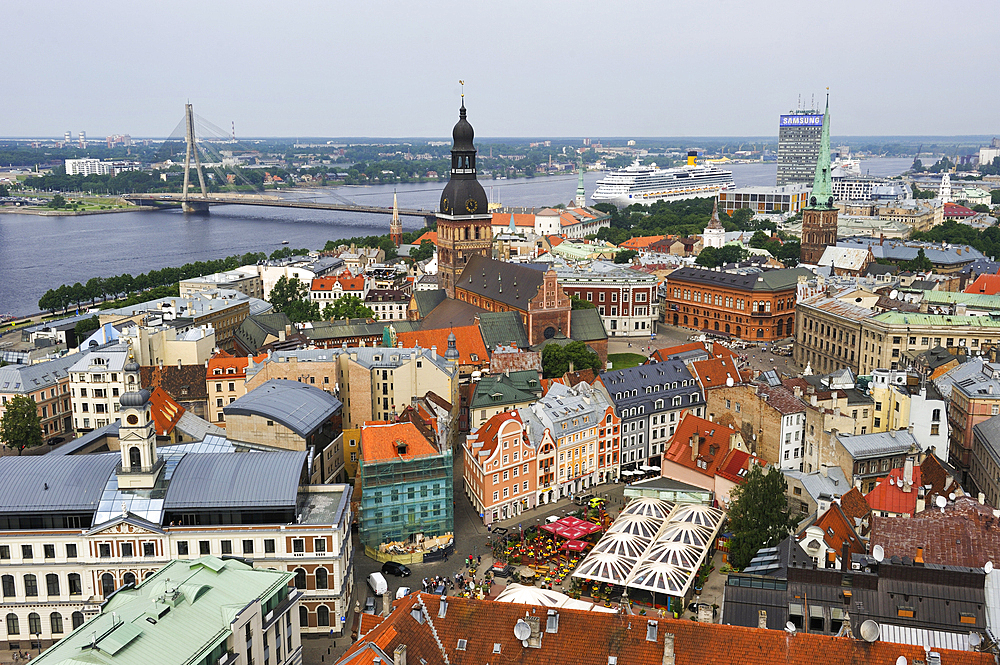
(756, 307)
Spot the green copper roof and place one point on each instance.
(177, 615)
(821, 197)
(942, 320)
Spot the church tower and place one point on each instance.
(944, 192)
(140, 464)
(464, 222)
(395, 226)
(819, 218)
(715, 233)
(581, 193)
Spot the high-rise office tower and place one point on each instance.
(798, 146)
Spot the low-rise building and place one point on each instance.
(500, 468)
(225, 379)
(331, 288)
(625, 298)
(406, 489)
(770, 418)
(48, 383)
(244, 280)
(493, 394)
(784, 199)
(218, 609)
(96, 384)
(573, 222)
(867, 459)
(697, 452)
(388, 304)
(303, 268)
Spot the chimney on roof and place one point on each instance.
(178, 363)
(845, 557)
(812, 399)
(831, 558)
(824, 469)
(668, 649)
(982, 499)
(797, 391)
(908, 475)
(762, 619)
(836, 399)
(399, 655)
(693, 442)
(919, 559)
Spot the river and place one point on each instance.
(38, 253)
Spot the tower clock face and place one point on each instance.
(444, 204)
(471, 205)
(132, 419)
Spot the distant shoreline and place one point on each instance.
(49, 212)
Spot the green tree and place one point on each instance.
(580, 303)
(85, 327)
(979, 207)
(58, 201)
(424, 252)
(625, 256)
(4, 191)
(759, 240)
(707, 257)
(20, 426)
(556, 359)
(287, 291)
(758, 514)
(917, 165)
(347, 307)
(919, 264)
(923, 193)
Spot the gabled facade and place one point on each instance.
(500, 468)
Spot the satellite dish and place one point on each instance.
(893, 294)
(901, 660)
(941, 501)
(878, 552)
(790, 627)
(975, 639)
(951, 497)
(988, 567)
(522, 630)
(729, 382)
(870, 631)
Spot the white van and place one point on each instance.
(378, 584)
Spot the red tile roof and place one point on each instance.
(468, 341)
(716, 372)
(555, 241)
(965, 534)
(956, 210)
(713, 444)
(166, 412)
(428, 235)
(583, 376)
(736, 464)
(718, 350)
(889, 497)
(837, 530)
(857, 510)
(487, 434)
(346, 280)
(985, 284)
(640, 242)
(942, 481)
(521, 220)
(224, 361)
(486, 629)
(380, 442)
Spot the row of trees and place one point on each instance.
(107, 288)
(986, 241)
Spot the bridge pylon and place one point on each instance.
(188, 205)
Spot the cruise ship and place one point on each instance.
(648, 184)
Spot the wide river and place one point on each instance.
(38, 253)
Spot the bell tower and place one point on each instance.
(140, 464)
(395, 226)
(464, 221)
(819, 218)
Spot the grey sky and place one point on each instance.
(532, 68)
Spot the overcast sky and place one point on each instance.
(538, 68)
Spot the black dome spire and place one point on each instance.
(463, 195)
(463, 134)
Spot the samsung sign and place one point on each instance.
(802, 120)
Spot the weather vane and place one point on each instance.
(462, 83)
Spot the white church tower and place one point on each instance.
(715, 234)
(140, 464)
(944, 193)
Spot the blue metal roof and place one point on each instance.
(299, 407)
(235, 480)
(51, 483)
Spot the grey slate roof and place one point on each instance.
(621, 383)
(51, 483)
(299, 407)
(221, 480)
(254, 329)
(586, 325)
(510, 283)
(879, 444)
(833, 484)
(502, 328)
(28, 378)
(768, 280)
(988, 432)
(907, 250)
(450, 313)
(428, 300)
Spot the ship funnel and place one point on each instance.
(692, 157)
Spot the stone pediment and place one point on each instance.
(126, 525)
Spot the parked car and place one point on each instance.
(394, 568)
(370, 605)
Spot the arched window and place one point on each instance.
(760, 332)
(12, 626)
(8, 586)
(30, 585)
(108, 584)
(52, 584)
(55, 622)
(77, 620)
(781, 328)
(727, 327)
(303, 616)
(128, 578)
(34, 624)
(321, 579)
(134, 459)
(75, 587)
(323, 615)
(716, 325)
(300, 578)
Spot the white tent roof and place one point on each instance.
(648, 507)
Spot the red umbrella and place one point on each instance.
(575, 545)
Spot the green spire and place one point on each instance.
(822, 189)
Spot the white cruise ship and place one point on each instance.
(648, 184)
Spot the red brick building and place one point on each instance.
(757, 306)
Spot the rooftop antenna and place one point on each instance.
(234, 131)
(812, 100)
(799, 107)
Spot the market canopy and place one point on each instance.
(575, 545)
(571, 528)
